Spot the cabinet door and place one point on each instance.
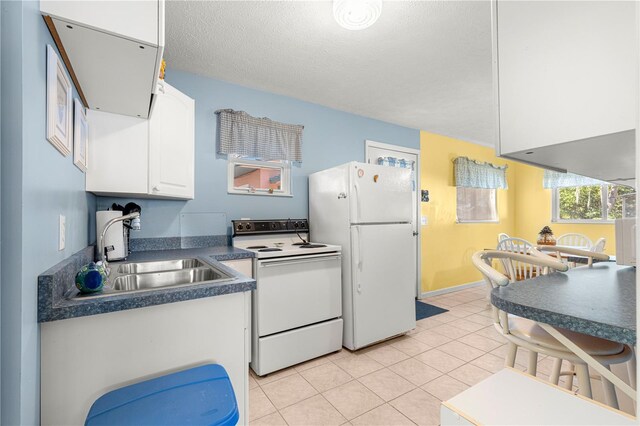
(118, 154)
(171, 144)
(565, 72)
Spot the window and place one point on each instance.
(256, 177)
(589, 203)
(476, 205)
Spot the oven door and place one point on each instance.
(297, 291)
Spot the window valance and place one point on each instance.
(479, 174)
(259, 138)
(553, 179)
(396, 162)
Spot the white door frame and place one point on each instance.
(401, 149)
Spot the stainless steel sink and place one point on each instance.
(167, 279)
(143, 276)
(159, 266)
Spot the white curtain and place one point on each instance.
(478, 174)
(260, 138)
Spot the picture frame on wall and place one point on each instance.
(80, 136)
(59, 123)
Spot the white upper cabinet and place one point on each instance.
(565, 83)
(171, 130)
(151, 158)
(112, 49)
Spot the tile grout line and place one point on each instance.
(385, 366)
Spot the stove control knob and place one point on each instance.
(240, 227)
(248, 226)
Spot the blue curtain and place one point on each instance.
(478, 174)
(553, 179)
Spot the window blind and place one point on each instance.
(260, 138)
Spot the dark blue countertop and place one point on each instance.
(56, 287)
(599, 300)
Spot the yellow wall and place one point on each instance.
(447, 246)
(523, 210)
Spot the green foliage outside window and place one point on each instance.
(596, 202)
(614, 193)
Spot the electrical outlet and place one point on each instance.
(62, 231)
(424, 221)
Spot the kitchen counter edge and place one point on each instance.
(56, 286)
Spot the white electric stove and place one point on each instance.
(297, 304)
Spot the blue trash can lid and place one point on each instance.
(197, 396)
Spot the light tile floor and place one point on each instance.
(397, 382)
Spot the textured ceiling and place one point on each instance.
(423, 64)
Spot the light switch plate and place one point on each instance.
(62, 230)
(424, 220)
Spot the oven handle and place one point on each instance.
(321, 258)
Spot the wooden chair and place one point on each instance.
(518, 270)
(598, 246)
(574, 240)
(525, 333)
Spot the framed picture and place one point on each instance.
(58, 104)
(80, 136)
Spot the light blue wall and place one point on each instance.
(331, 137)
(11, 214)
(43, 185)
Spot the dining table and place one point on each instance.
(569, 254)
(597, 300)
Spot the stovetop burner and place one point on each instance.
(256, 247)
(299, 244)
(270, 249)
(312, 245)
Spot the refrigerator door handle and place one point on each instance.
(357, 194)
(358, 259)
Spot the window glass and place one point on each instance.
(257, 177)
(580, 203)
(614, 200)
(476, 205)
(599, 203)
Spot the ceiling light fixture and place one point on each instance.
(356, 14)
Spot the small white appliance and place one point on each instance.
(297, 305)
(367, 209)
(626, 232)
(626, 241)
(115, 240)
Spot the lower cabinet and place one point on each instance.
(84, 358)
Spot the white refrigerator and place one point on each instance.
(367, 209)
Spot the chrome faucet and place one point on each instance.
(135, 224)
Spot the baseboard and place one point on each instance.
(452, 289)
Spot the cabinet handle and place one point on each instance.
(156, 189)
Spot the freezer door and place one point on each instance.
(383, 277)
(380, 194)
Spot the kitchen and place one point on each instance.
(32, 207)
